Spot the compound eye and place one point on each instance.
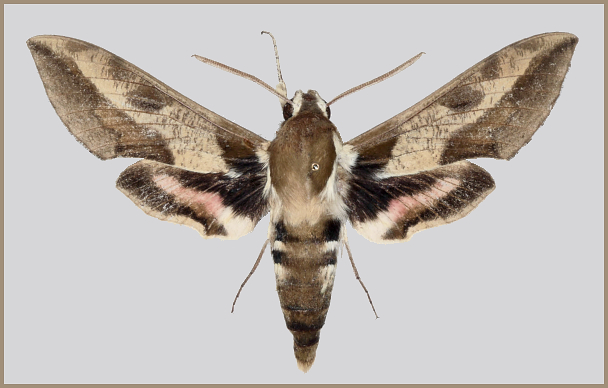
(328, 111)
(315, 166)
(287, 111)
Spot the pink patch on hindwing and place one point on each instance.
(447, 184)
(400, 206)
(212, 202)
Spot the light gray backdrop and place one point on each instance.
(98, 292)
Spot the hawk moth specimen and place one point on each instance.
(407, 174)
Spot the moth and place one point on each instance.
(405, 175)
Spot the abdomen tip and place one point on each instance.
(305, 355)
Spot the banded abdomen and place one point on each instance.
(305, 259)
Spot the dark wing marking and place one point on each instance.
(214, 204)
(117, 110)
(490, 110)
(393, 209)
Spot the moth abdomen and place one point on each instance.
(305, 261)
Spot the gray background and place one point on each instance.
(98, 292)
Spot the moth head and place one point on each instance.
(305, 103)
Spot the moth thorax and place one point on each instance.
(302, 166)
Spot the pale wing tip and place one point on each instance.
(34, 39)
(40, 42)
(571, 36)
(557, 34)
(570, 40)
(566, 36)
(31, 42)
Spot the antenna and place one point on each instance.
(282, 96)
(281, 87)
(391, 73)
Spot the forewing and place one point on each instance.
(215, 204)
(490, 110)
(117, 110)
(392, 209)
(410, 173)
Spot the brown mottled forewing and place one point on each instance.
(410, 173)
(117, 110)
(490, 110)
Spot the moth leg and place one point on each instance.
(257, 262)
(350, 256)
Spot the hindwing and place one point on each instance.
(214, 204)
(392, 209)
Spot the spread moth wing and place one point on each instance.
(117, 110)
(214, 204)
(392, 209)
(410, 165)
(490, 110)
